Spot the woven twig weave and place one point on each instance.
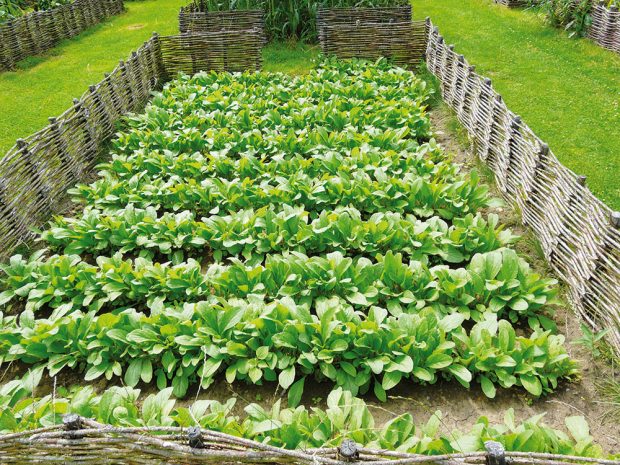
(605, 29)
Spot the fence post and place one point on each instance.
(72, 422)
(512, 152)
(465, 109)
(457, 83)
(194, 437)
(126, 86)
(117, 104)
(496, 454)
(555, 260)
(348, 451)
(532, 189)
(141, 78)
(493, 133)
(84, 116)
(448, 73)
(158, 59)
(107, 120)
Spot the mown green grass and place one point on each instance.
(567, 90)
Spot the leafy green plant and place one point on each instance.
(10, 9)
(591, 340)
(255, 341)
(572, 15)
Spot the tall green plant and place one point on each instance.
(572, 15)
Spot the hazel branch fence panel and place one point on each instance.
(512, 3)
(605, 28)
(41, 30)
(36, 173)
(579, 234)
(225, 50)
(196, 19)
(80, 440)
(372, 33)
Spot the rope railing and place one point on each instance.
(81, 440)
(579, 234)
(39, 31)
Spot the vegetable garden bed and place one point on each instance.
(269, 229)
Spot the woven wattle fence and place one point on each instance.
(512, 3)
(227, 50)
(196, 19)
(37, 172)
(372, 33)
(605, 28)
(41, 30)
(579, 234)
(84, 441)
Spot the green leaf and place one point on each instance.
(286, 377)
(295, 392)
(133, 372)
(487, 387)
(578, 428)
(380, 392)
(462, 374)
(391, 379)
(531, 384)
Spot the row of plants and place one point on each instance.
(11, 9)
(345, 416)
(256, 341)
(274, 229)
(408, 193)
(291, 19)
(495, 282)
(199, 148)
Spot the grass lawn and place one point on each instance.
(567, 90)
